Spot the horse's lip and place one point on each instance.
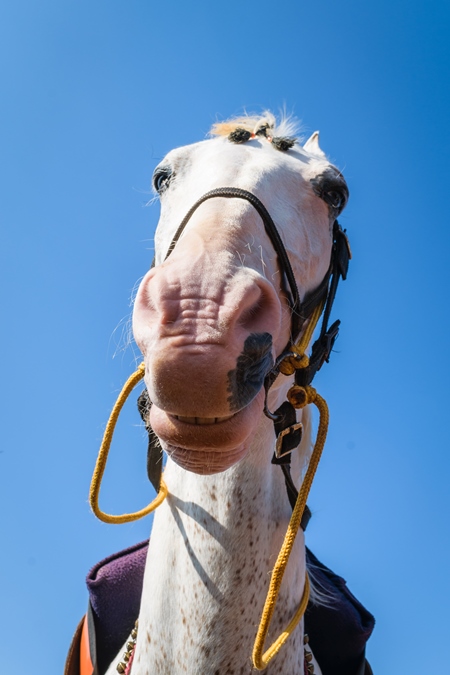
(215, 436)
(203, 421)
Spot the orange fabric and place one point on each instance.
(86, 667)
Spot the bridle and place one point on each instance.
(293, 360)
(284, 418)
(338, 266)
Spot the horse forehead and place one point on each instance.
(283, 181)
(219, 154)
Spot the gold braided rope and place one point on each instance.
(298, 358)
(260, 659)
(102, 458)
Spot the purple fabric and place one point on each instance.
(338, 633)
(115, 588)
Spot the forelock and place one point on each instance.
(285, 126)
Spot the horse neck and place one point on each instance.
(213, 545)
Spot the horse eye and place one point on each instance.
(161, 178)
(335, 199)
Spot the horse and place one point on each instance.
(248, 253)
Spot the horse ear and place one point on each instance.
(312, 145)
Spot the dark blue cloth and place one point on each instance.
(338, 631)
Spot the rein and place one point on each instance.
(293, 360)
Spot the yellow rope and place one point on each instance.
(305, 339)
(100, 464)
(260, 659)
(298, 358)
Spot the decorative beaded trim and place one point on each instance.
(309, 666)
(124, 666)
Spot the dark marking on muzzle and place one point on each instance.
(251, 368)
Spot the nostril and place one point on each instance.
(250, 314)
(252, 365)
(145, 297)
(260, 309)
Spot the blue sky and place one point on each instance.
(93, 95)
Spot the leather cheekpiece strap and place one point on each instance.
(154, 451)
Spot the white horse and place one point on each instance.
(210, 319)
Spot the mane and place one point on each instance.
(285, 126)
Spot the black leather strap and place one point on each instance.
(154, 451)
(72, 666)
(320, 353)
(287, 418)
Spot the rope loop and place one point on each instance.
(293, 362)
(299, 396)
(102, 458)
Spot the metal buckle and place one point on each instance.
(281, 435)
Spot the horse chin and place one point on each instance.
(206, 462)
(207, 448)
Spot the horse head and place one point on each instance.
(215, 312)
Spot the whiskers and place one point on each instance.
(122, 335)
